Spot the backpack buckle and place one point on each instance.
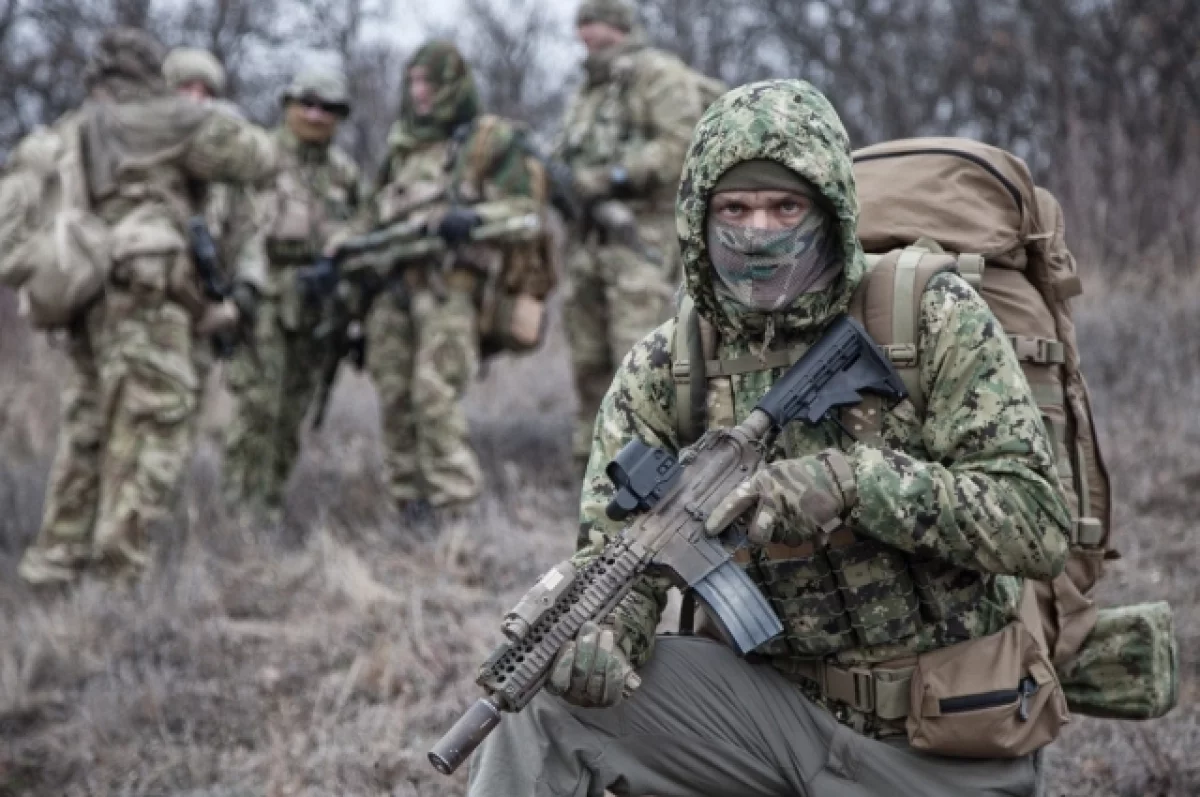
(902, 355)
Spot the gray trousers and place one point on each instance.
(707, 723)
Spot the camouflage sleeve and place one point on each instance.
(249, 254)
(639, 404)
(226, 149)
(667, 105)
(987, 498)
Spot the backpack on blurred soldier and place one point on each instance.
(53, 250)
(947, 204)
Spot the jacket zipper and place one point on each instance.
(1026, 689)
(978, 161)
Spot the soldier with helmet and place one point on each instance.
(624, 137)
(231, 214)
(311, 202)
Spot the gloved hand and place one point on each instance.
(218, 317)
(455, 227)
(592, 183)
(593, 671)
(794, 500)
(245, 298)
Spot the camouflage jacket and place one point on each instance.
(484, 162)
(637, 113)
(314, 197)
(235, 217)
(955, 505)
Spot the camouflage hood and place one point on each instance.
(455, 103)
(126, 65)
(791, 123)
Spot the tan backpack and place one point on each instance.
(53, 250)
(978, 204)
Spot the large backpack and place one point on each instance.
(937, 204)
(53, 250)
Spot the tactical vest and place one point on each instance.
(311, 202)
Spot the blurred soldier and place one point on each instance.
(230, 212)
(624, 138)
(463, 168)
(131, 403)
(313, 199)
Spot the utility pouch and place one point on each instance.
(514, 323)
(992, 697)
(1128, 667)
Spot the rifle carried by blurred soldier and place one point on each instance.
(350, 278)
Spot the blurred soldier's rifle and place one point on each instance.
(361, 268)
(217, 288)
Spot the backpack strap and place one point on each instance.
(888, 304)
(688, 361)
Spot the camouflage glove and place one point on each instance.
(593, 671)
(794, 500)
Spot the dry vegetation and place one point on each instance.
(324, 656)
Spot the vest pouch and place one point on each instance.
(945, 591)
(804, 591)
(146, 250)
(992, 697)
(296, 219)
(877, 590)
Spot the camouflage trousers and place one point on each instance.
(422, 354)
(272, 384)
(128, 427)
(616, 296)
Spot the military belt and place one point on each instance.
(882, 691)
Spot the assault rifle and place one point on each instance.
(672, 497)
(217, 287)
(361, 267)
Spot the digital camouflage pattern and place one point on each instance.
(313, 199)
(130, 410)
(953, 507)
(1128, 667)
(423, 331)
(636, 110)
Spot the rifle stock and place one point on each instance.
(669, 499)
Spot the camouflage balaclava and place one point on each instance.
(126, 65)
(790, 123)
(455, 101)
(189, 64)
(767, 269)
(618, 13)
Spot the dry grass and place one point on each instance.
(323, 657)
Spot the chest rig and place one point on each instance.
(854, 592)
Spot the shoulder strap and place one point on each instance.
(888, 304)
(688, 360)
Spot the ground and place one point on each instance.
(324, 656)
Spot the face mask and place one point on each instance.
(769, 270)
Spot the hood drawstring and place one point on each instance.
(768, 339)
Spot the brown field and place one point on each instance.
(324, 656)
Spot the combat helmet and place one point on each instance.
(189, 64)
(324, 85)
